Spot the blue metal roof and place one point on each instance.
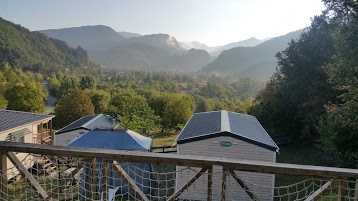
(117, 139)
(89, 122)
(223, 123)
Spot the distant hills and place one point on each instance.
(252, 58)
(36, 52)
(256, 62)
(128, 34)
(153, 52)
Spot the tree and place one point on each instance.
(88, 82)
(293, 99)
(28, 98)
(73, 105)
(100, 99)
(134, 112)
(177, 112)
(338, 129)
(67, 83)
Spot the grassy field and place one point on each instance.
(164, 139)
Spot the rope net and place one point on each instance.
(57, 178)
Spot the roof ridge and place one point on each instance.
(225, 121)
(92, 120)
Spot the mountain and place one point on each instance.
(128, 34)
(34, 51)
(256, 62)
(244, 43)
(108, 47)
(91, 38)
(197, 45)
(153, 52)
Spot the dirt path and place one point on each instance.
(51, 101)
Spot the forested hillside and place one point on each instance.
(256, 62)
(313, 95)
(36, 52)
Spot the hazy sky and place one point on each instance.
(213, 22)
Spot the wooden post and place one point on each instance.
(210, 183)
(341, 190)
(41, 130)
(356, 191)
(93, 179)
(3, 176)
(51, 134)
(223, 185)
(105, 180)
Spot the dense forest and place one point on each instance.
(313, 96)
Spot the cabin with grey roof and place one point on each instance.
(228, 135)
(82, 126)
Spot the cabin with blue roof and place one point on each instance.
(233, 135)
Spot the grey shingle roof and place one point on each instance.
(89, 122)
(11, 119)
(223, 123)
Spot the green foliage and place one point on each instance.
(338, 129)
(293, 99)
(36, 52)
(88, 82)
(134, 112)
(73, 105)
(100, 99)
(177, 111)
(28, 98)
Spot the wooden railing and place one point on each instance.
(203, 163)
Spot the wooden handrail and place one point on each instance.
(182, 160)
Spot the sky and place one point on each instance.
(212, 22)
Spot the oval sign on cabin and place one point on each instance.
(225, 144)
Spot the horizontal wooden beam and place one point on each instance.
(182, 160)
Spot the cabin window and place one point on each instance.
(81, 132)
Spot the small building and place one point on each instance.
(228, 135)
(116, 139)
(82, 126)
(26, 127)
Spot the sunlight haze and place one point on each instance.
(209, 22)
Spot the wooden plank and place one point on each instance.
(321, 191)
(93, 178)
(341, 190)
(105, 181)
(3, 176)
(223, 185)
(187, 185)
(248, 191)
(51, 133)
(210, 184)
(356, 191)
(182, 160)
(131, 183)
(27, 175)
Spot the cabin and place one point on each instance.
(26, 127)
(82, 126)
(115, 139)
(226, 134)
